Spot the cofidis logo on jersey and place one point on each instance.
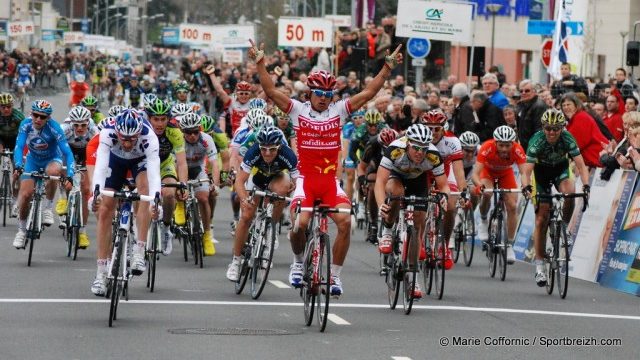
(434, 14)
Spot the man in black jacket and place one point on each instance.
(568, 83)
(487, 116)
(530, 110)
(462, 114)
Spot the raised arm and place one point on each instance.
(279, 98)
(224, 97)
(390, 62)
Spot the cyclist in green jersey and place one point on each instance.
(91, 103)
(10, 119)
(283, 123)
(548, 158)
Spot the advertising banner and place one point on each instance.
(594, 225)
(230, 36)
(620, 265)
(20, 28)
(435, 20)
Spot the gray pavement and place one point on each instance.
(48, 312)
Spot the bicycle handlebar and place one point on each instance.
(6, 152)
(322, 209)
(39, 175)
(502, 191)
(559, 196)
(127, 195)
(271, 195)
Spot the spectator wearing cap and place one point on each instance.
(491, 87)
(487, 116)
(529, 110)
(462, 114)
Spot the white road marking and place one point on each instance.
(337, 320)
(400, 358)
(333, 305)
(279, 284)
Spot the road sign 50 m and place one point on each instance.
(306, 32)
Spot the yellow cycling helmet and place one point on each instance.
(279, 113)
(553, 117)
(373, 117)
(6, 99)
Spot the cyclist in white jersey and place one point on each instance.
(129, 144)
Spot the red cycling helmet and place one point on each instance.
(387, 136)
(321, 79)
(434, 117)
(243, 86)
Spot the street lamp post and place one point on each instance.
(493, 9)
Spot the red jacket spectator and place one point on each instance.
(588, 136)
(613, 117)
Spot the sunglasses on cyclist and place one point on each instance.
(317, 92)
(435, 128)
(191, 132)
(80, 125)
(552, 128)
(182, 92)
(39, 116)
(243, 93)
(8, 106)
(421, 148)
(128, 138)
(469, 150)
(269, 149)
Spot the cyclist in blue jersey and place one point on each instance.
(46, 142)
(268, 164)
(349, 164)
(23, 76)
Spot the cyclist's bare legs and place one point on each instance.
(103, 229)
(205, 210)
(281, 185)
(566, 186)
(348, 185)
(54, 168)
(168, 199)
(485, 198)
(143, 215)
(24, 197)
(343, 237)
(246, 217)
(511, 204)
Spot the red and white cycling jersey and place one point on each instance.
(236, 112)
(318, 135)
(450, 150)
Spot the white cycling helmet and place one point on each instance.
(469, 139)
(190, 121)
(252, 116)
(504, 133)
(419, 133)
(181, 109)
(115, 110)
(79, 114)
(262, 120)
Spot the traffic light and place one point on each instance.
(633, 53)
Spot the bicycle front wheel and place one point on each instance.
(308, 292)
(562, 247)
(262, 260)
(33, 230)
(116, 285)
(439, 268)
(501, 243)
(410, 271)
(492, 248)
(6, 192)
(245, 272)
(551, 263)
(468, 231)
(324, 284)
(152, 255)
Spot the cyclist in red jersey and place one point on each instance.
(238, 106)
(317, 123)
(495, 161)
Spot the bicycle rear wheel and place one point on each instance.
(197, 231)
(468, 231)
(501, 243)
(393, 268)
(458, 237)
(308, 292)
(410, 272)
(263, 258)
(562, 247)
(324, 281)
(75, 238)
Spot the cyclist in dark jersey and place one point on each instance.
(548, 158)
(366, 170)
(10, 119)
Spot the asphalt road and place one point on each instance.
(48, 312)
